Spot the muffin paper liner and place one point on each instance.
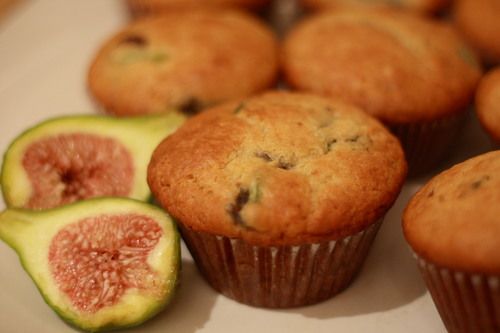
(146, 7)
(279, 276)
(466, 302)
(427, 143)
(494, 144)
(140, 8)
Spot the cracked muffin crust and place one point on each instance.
(143, 7)
(422, 6)
(488, 103)
(185, 61)
(279, 169)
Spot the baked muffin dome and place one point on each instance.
(453, 220)
(398, 67)
(479, 22)
(278, 169)
(413, 73)
(423, 6)
(183, 60)
(141, 7)
(453, 227)
(488, 103)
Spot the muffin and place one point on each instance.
(488, 104)
(479, 22)
(185, 61)
(421, 6)
(453, 227)
(279, 196)
(414, 74)
(146, 7)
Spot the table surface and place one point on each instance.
(45, 50)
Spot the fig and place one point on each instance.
(67, 159)
(101, 263)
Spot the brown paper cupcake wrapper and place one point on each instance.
(466, 302)
(494, 144)
(427, 143)
(139, 8)
(280, 276)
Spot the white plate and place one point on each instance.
(45, 49)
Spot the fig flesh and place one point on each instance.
(71, 158)
(101, 264)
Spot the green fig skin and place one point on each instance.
(138, 135)
(29, 234)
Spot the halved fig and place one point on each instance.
(103, 263)
(71, 158)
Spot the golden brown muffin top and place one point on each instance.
(479, 21)
(280, 168)
(155, 6)
(488, 103)
(183, 60)
(397, 66)
(422, 6)
(453, 221)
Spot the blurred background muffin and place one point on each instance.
(279, 196)
(415, 74)
(452, 225)
(183, 60)
(422, 6)
(146, 7)
(488, 104)
(479, 22)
